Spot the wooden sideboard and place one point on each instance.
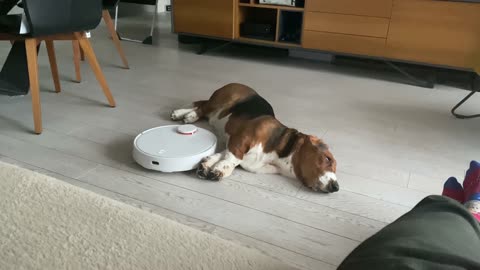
(433, 32)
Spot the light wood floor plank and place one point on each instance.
(277, 231)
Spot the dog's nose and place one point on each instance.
(333, 186)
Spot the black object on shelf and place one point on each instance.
(290, 26)
(257, 31)
(300, 3)
(258, 23)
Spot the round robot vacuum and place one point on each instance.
(173, 148)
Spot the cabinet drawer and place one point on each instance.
(343, 43)
(448, 34)
(207, 17)
(376, 8)
(346, 24)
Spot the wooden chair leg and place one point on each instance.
(82, 55)
(32, 59)
(53, 65)
(76, 60)
(92, 60)
(111, 28)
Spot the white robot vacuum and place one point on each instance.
(173, 148)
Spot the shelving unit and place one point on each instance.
(269, 24)
(439, 33)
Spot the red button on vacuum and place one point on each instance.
(187, 129)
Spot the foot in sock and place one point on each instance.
(453, 190)
(471, 185)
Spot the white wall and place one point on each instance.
(162, 4)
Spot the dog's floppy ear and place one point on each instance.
(317, 143)
(313, 139)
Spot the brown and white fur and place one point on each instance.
(258, 142)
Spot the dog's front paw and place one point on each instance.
(202, 171)
(215, 175)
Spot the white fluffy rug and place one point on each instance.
(48, 224)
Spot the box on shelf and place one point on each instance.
(278, 2)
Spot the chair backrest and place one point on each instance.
(49, 17)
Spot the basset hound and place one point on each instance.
(258, 142)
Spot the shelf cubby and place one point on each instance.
(257, 23)
(290, 27)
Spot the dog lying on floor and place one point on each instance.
(258, 142)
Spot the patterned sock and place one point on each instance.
(477, 216)
(471, 185)
(453, 190)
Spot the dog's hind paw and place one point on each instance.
(175, 116)
(190, 117)
(180, 114)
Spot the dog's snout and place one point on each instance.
(333, 186)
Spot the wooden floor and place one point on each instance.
(395, 143)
